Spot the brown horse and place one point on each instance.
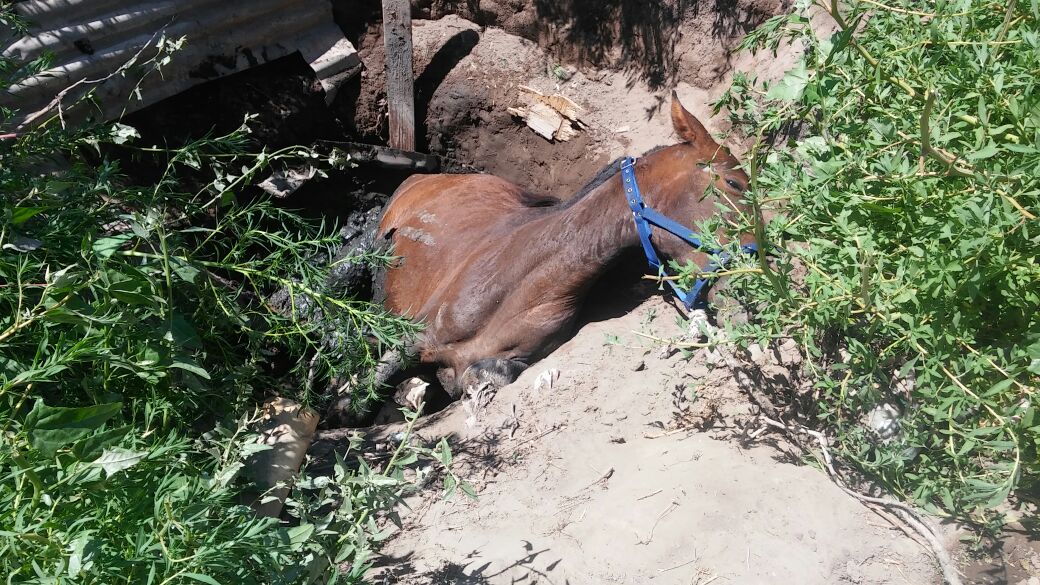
(497, 274)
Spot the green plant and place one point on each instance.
(910, 186)
(136, 328)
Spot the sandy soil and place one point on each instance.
(616, 476)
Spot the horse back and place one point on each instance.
(436, 223)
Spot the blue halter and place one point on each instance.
(644, 216)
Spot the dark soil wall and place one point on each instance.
(657, 41)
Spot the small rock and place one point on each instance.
(281, 183)
(758, 354)
(618, 440)
(23, 244)
(714, 358)
(411, 393)
(666, 352)
(883, 420)
(564, 73)
(639, 367)
(790, 352)
(699, 325)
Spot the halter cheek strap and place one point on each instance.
(645, 217)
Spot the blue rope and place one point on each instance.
(645, 216)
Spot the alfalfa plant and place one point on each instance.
(907, 166)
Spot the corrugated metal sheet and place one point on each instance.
(88, 40)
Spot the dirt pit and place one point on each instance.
(636, 465)
(468, 76)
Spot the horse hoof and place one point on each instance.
(490, 372)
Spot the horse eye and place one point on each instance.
(734, 185)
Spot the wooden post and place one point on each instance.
(400, 92)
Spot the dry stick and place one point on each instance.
(56, 102)
(538, 436)
(899, 10)
(671, 507)
(716, 274)
(689, 562)
(650, 495)
(670, 342)
(908, 514)
(669, 433)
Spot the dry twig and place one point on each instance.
(671, 507)
(56, 102)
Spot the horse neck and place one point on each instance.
(602, 221)
(595, 231)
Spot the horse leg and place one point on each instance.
(489, 373)
(348, 409)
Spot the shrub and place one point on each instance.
(136, 339)
(909, 199)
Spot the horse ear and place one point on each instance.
(688, 127)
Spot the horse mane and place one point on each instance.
(528, 199)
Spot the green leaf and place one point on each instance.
(116, 459)
(983, 153)
(105, 247)
(52, 427)
(444, 453)
(345, 551)
(132, 291)
(297, 535)
(81, 554)
(183, 334)
(228, 474)
(189, 365)
(999, 387)
(201, 578)
(792, 85)
(407, 459)
(91, 447)
(21, 215)
(184, 270)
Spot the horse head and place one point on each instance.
(680, 179)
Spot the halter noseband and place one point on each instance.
(644, 216)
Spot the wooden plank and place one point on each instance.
(400, 92)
